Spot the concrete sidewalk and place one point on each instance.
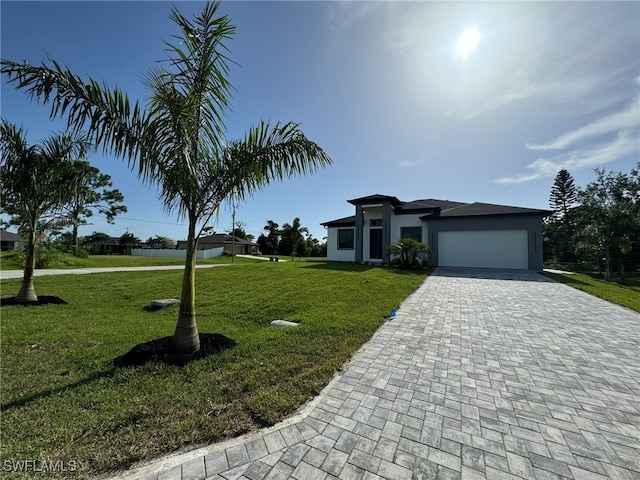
(4, 274)
(482, 374)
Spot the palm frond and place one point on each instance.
(105, 113)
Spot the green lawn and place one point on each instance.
(8, 261)
(62, 400)
(623, 292)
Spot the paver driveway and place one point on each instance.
(482, 374)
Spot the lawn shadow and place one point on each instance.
(54, 391)
(359, 267)
(160, 351)
(42, 300)
(491, 274)
(566, 279)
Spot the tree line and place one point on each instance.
(292, 239)
(597, 226)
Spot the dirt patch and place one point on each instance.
(159, 350)
(42, 300)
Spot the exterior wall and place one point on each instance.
(531, 223)
(333, 253)
(399, 221)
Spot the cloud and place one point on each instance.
(625, 143)
(619, 121)
(409, 163)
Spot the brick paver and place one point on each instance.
(483, 374)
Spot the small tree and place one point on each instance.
(160, 241)
(91, 192)
(269, 243)
(291, 238)
(34, 186)
(410, 253)
(128, 241)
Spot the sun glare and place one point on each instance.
(467, 42)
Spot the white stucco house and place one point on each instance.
(458, 234)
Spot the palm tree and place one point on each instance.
(178, 141)
(33, 193)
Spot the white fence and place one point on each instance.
(165, 253)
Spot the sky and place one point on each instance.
(383, 87)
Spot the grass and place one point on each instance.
(623, 292)
(62, 400)
(10, 261)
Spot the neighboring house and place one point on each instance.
(458, 234)
(10, 241)
(113, 245)
(229, 242)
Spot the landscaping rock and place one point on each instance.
(162, 303)
(283, 323)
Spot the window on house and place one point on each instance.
(411, 232)
(375, 222)
(345, 239)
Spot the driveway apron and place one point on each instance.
(482, 374)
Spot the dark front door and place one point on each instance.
(375, 243)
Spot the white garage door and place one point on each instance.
(483, 248)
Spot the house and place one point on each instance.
(229, 242)
(458, 234)
(10, 241)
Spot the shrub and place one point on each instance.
(410, 253)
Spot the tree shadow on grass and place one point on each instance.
(358, 267)
(159, 350)
(54, 391)
(42, 300)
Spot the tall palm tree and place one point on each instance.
(178, 140)
(33, 180)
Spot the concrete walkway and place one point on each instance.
(482, 374)
(4, 274)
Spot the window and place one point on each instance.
(345, 239)
(375, 222)
(411, 232)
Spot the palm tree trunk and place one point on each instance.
(185, 338)
(27, 292)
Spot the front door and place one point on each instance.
(375, 243)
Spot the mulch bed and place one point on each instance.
(42, 300)
(159, 350)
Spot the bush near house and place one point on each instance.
(410, 253)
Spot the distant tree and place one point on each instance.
(91, 192)
(410, 253)
(128, 241)
(239, 230)
(269, 243)
(292, 239)
(609, 216)
(563, 197)
(559, 229)
(159, 241)
(92, 242)
(34, 185)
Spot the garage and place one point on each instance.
(484, 248)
